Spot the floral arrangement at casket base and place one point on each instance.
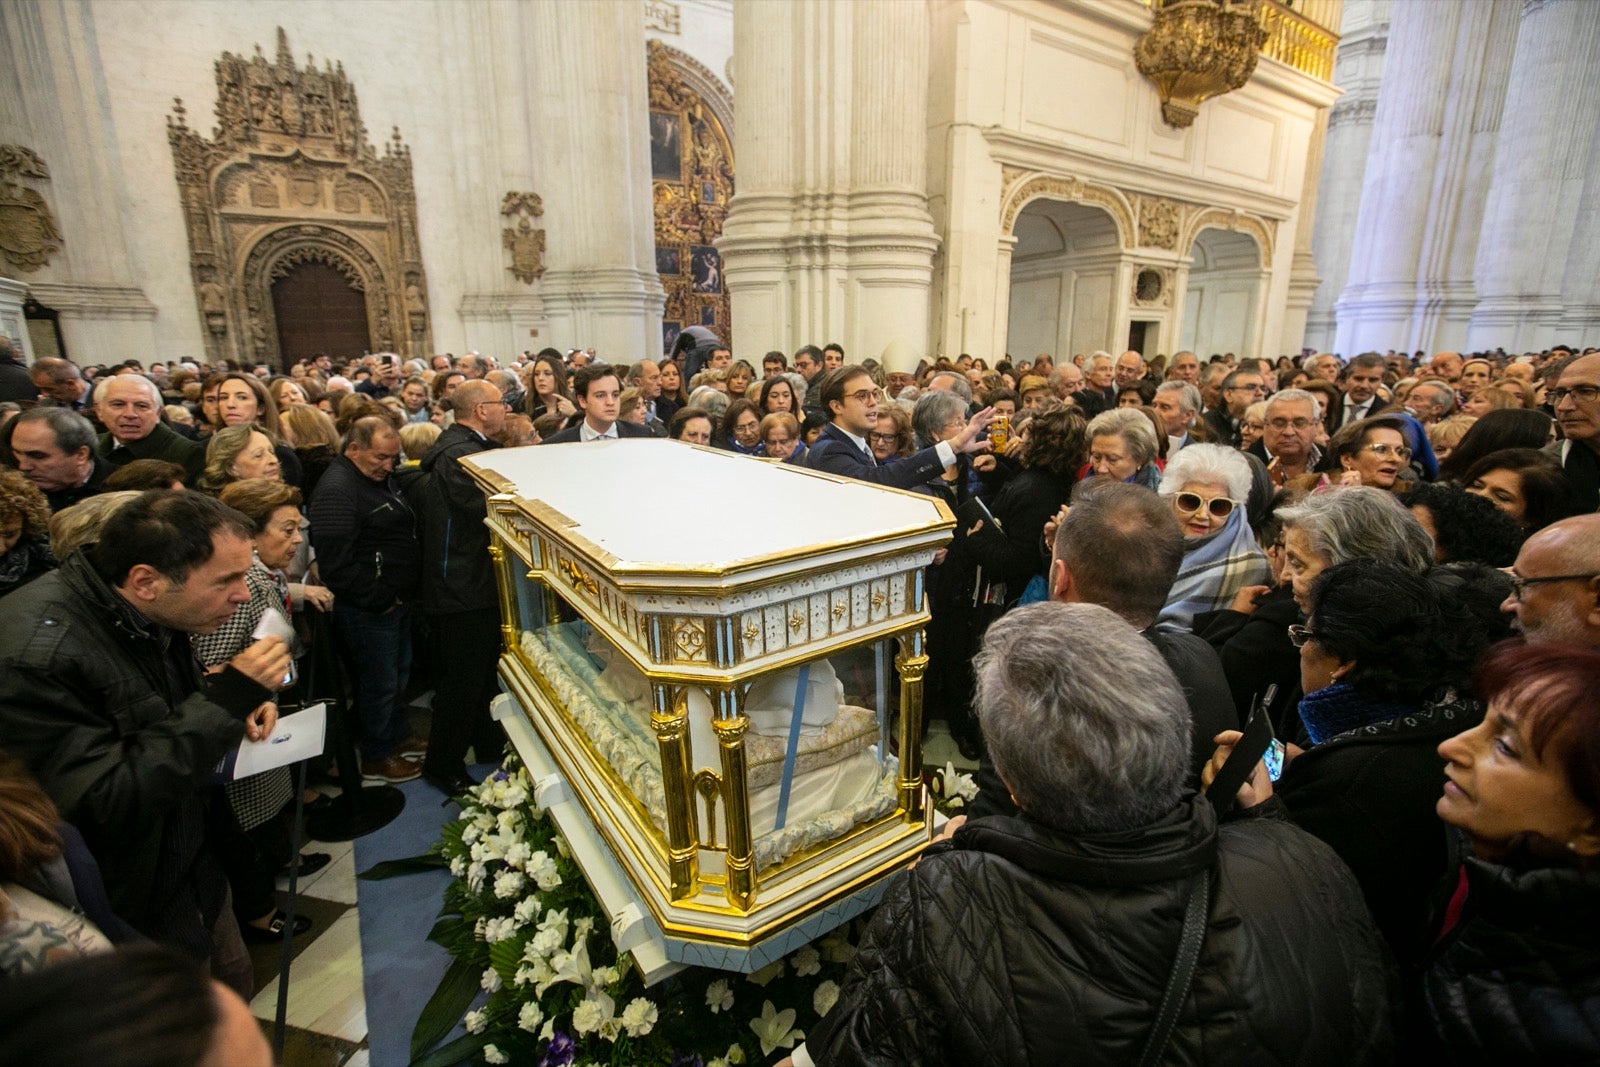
(522, 924)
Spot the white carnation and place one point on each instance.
(517, 854)
(529, 1016)
(807, 961)
(507, 821)
(526, 911)
(476, 1021)
(490, 980)
(470, 834)
(458, 866)
(639, 1017)
(494, 1055)
(498, 930)
(586, 1017)
(508, 884)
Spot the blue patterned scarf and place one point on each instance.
(1341, 707)
(1215, 567)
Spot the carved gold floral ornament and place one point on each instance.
(1198, 49)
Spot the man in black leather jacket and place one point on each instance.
(101, 697)
(1050, 937)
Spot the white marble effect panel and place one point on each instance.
(325, 989)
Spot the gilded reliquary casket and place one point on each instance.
(705, 656)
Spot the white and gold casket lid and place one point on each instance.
(699, 561)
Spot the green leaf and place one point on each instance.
(447, 1005)
(453, 934)
(506, 956)
(460, 1050)
(412, 865)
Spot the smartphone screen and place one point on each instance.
(1273, 758)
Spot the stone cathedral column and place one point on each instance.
(1580, 288)
(1437, 113)
(1539, 175)
(828, 237)
(1358, 70)
(591, 108)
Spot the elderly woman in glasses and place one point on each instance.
(1207, 486)
(1385, 664)
(1372, 452)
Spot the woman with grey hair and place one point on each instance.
(1323, 530)
(1207, 486)
(1122, 445)
(1016, 938)
(713, 402)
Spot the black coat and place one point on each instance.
(458, 574)
(1014, 553)
(365, 534)
(161, 443)
(122, 737)
(16, 384)
(1370, 794)
(1256, 653)
(1013, 944)
(1519, 979)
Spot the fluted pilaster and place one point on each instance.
(1539, 175)
(590, 122)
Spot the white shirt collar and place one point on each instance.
(589, 433)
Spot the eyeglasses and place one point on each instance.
(1580, 394)
(1219, 507)
(883, 438)
(1299, 635)
(1519, 583)
(862, 396)
(1400, 452)
(1256, 388)
(495, 403)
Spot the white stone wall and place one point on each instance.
(546, 96)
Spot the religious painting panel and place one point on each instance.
(691, 164)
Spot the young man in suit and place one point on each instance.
(850, 401)
(597, 390)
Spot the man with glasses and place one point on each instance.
(1555, 584)
(458, 588)
(1576, 401)
(1239, 390)
(808, 364)
(850, 401)
(1287, 444)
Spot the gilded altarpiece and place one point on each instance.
(287, 177)
(691, 169)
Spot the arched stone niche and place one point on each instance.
(290, 173)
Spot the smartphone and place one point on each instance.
(1273, 758)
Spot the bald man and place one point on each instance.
(1556, 584)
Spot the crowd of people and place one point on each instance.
(1393, 559)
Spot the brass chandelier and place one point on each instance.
(1198, 49)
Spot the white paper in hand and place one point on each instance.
(294, 738)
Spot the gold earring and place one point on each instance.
(1572, 846)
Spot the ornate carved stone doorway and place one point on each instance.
(290, 178)
(318, 310)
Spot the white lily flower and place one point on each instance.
(775, 1028)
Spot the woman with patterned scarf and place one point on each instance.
(1207, 486)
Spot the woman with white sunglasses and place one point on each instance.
(1207, 486)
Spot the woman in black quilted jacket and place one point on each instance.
(1051, 937)
(1516, 978)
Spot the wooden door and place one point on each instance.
(319, 312)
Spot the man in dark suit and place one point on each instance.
(1239, 390)
(850, 401)
(130, 407)
(15, 382)
(597, 390)
(1360, 383)
(1120, 546)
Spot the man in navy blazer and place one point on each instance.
(597, 390)
(850, 400)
